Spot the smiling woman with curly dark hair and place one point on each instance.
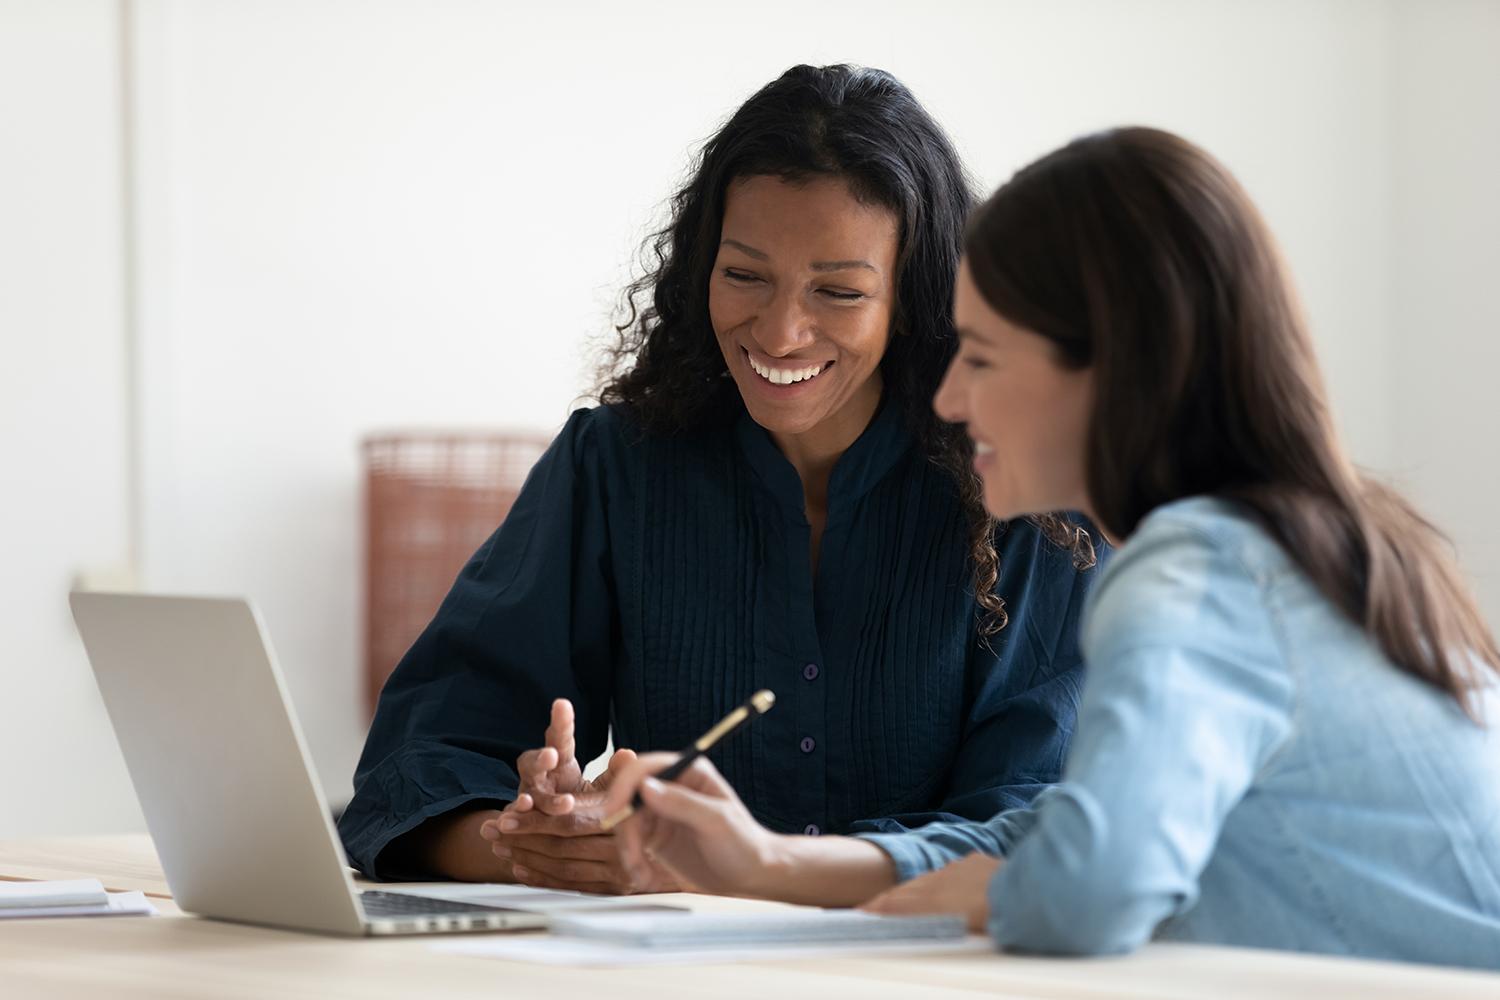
(764, 500)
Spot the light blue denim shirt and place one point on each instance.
(1248, 769)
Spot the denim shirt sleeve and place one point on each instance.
(1025, 687)
(529, 619)
(1188, 699)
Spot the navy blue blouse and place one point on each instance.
(659, 581)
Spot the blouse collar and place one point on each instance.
(884, 440)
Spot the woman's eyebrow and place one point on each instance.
(822, 265)
(964, 333)
(748, 251)
(844, 265)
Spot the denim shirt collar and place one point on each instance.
(884, 440)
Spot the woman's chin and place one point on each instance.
(1008, 508)
(781, 423)
(783, 416)
(1002, 507)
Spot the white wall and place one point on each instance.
(1446, 241)
(363, 216)
(417, 214)
(63, 506)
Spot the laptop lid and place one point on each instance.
(217, 759)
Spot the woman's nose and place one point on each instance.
(784, 326)
(949, 401)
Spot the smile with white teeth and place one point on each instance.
(981, 449)
(785, 376)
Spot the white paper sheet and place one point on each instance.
(116, 904)
(52, 892)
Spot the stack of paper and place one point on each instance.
(72, 898)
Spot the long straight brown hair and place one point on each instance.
(1141, 257)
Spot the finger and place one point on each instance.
(545, 804)
(574, 824)
(619, 761)
(655, 833)
(683, 805)
(554, 805)
(637, 843)
(702, 776)
(560, 734)
(526, 764)
(533, 765)
(537, 880)
(887, 902)
(665, 878)
(624, 784)
(492, 828)
(570, 870)
(913, 900)
(600, 847)
(632, 839)
(652, 863)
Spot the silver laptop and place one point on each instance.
(222, 774)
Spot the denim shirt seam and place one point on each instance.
(1329, 912)
(1231, 545)
(1295, 707)
(1295, 715)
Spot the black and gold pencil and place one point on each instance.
(760, 702)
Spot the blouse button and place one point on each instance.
(808, 744)
(811, 830)
(810, 672)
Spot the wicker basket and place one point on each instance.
(430, 501)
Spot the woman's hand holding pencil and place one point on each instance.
(698, 830)
(675, 811)
(695, 827)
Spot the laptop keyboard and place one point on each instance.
(387, 905)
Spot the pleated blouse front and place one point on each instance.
(659, 581)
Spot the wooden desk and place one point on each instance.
(180, 956)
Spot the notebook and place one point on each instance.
(68, 898)
(716, 938)
(695, 930)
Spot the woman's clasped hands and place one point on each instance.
(551, 834)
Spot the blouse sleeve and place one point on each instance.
(531, 618)
(1024, 689)
(1188, 700)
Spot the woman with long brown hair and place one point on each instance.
(1282, 739)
